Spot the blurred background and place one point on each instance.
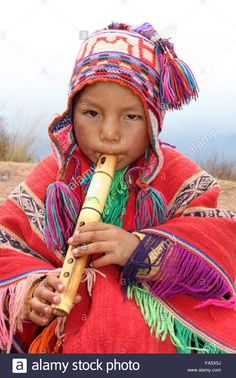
(39, 41)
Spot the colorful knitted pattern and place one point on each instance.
(120, 56)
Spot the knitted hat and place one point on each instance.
(137, 58)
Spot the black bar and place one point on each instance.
(118, 365)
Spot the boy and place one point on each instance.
(161, 239)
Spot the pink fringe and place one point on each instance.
(59, 330)
(165, 78)
(229, 303)
(17, 293)
(89, 276)
(3, 329)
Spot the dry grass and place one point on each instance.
(4, 142)
(17, 146)
(227, 199)
(219, 167)
(11, 174)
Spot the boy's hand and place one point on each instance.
(43, 297)
(96, 237)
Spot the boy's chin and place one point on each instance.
(120, 165)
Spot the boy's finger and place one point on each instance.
(38, 319)
(47, 296)
(54, 282)
(91, 237)
(92, 226)
(39, 307)
(91, 248)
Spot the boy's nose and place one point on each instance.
(110, 132)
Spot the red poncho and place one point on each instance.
(186, 261)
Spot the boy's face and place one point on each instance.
(110, 119)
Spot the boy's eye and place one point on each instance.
(133, 117)
(91, 113)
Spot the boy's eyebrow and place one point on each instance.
(133, 107)
(88, 100)
(96, 104)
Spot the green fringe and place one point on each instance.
(115, 206)
(161, 322)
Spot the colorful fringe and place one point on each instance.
(62, 208)
(178, 272)
(16, 296)
(43, 343)
(115, 206)
(177, 83)
(161, 322)
(150, 203)
(52, 337)
(151, 208)
(61, 213)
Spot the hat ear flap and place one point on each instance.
(178, 85)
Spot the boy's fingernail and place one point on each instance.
(55, 299)
(75, 251)
(60, 287)
(70, 240)
(46, 310)
(91, 265)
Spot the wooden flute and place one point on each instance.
(91, 211)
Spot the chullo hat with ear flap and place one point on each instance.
(137, 58)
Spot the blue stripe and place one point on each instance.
(18, 346)
(16, 278)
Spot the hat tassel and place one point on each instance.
(62, 209)
(178, 85)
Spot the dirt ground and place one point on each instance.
(12, 174)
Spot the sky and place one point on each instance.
(39, 41)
